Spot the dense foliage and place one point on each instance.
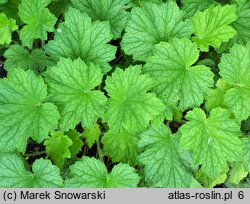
(124, 93)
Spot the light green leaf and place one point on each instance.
(152, 24)
(78, 37)
(38, 20)
(234, 69)
(57, 147)
(130, 106)
(212, 26)
(163, 159)
(91, 134)
(92, 173)
(14, 173)
(213, 140)
(76, 147)
(7, 26)
(23, 112)
(121, 147)
(18, 57)
(3, 1)
(71, 87)
(215, 97)
(242, 25)
(112, 11)
(237, 173)
(207, 181)
(177, 80)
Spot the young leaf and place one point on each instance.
(163, 159)
(215, 97)
(171, 66)
(207, 181)
(57, 147)
(211, 26)
(23, 112)
(150, 25)
(92, 134)
(71, 85)
(213, 140)
(15, 175)
(79, 37)
(234, 69)
(121, 146)
(237, 173)
(38, 20)
(92, 173)
(7, 26)
(106, 10)
(76, 147)
(18, 57)
(130, 106)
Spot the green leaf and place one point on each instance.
(14, 173)
(213, 140)
(71, 87)
(57, 147)
(242, 24)
(77, 37)
(246, 153)
(237, 173)
(152, 24)
(76, 147)
(92, 134)
(38, 20)
(234, 69)
(211, 26)
(207, 181)
(92, 173)
(7, 26)
(215, 97)
(18, 57)
(112, 11)
(177, 80)
(121, 146)
(23, 112)
(130, 106)
(192, 6)
(163, 159)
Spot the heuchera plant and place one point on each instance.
(124, 93)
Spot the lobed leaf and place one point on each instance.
(23, 111)
(92, 173)
(71, 86)
(14, 173)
